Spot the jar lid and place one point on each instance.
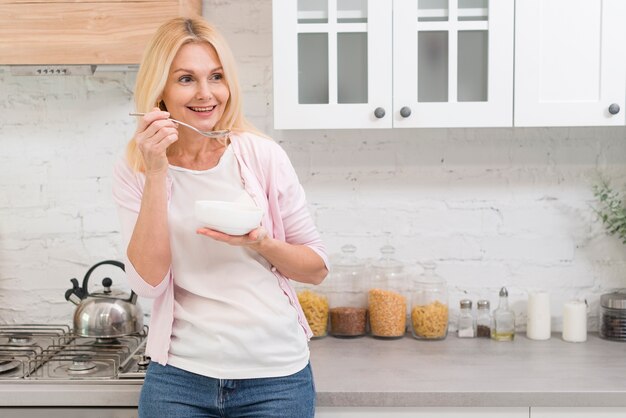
(615, 300)
(387, 262)
(348, 258)
(429, 276)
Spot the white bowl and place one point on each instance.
(228, 217)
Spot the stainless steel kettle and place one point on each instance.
(106, 314)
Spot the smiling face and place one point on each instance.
(196, 91)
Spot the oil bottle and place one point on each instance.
(503, 319)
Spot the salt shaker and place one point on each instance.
(466, 325)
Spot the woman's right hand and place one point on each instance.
(154, 134)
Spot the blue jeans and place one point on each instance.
(169, 392)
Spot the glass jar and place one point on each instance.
(347, 298)
(314, 304)
(429, 305)
(386, 298)
(612, 324)
(483, 319)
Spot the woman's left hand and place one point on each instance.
(252, 239)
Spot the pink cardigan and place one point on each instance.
(269, 177)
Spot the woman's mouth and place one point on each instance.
(203, 109)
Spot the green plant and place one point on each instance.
(612, 211)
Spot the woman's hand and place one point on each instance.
(298, 262)
(154, 134)
(253, 239)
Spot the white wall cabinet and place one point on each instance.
(452, 63)
(570, 62)
(384, 64)
(448, 63)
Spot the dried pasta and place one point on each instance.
(387, 311)
(315, 309)
(430, 321)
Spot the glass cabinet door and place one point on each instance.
(332, 64)
(453, 63)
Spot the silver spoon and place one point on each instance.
(210, 134)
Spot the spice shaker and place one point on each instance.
(483, 319)
(386, 301)
(503, 319)
(348, 298)
(466, 324)
(429, 305)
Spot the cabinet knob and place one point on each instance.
(614, 109)
(379, 112)
(405, 112)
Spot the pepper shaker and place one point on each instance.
(484, 322)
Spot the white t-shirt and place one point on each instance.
(231, 318)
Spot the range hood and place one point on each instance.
(65, 70)
(80, 37)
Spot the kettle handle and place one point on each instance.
(133, 296)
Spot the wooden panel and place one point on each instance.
(83, 32)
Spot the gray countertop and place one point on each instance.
(469, 372)
(407, 372)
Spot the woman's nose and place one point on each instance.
(204, 91)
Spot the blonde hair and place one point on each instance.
(155, 66)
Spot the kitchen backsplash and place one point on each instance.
(491, 207)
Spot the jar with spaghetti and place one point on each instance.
(315, 307)
(387, 303)
(347, 296)
(429, 306)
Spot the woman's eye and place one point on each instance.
(217, 77)
(185, 79)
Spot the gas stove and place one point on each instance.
(53, 353)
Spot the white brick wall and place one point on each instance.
(493, 207)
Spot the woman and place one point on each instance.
(227, 337)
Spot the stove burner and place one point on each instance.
(8, 365)
(107, 341)
(21, 338)
(81, 364)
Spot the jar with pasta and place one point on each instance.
(315, 307)
(387, 302)
(347, 295)
(429, 305)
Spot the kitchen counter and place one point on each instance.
(469, 372)
(407, 372)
